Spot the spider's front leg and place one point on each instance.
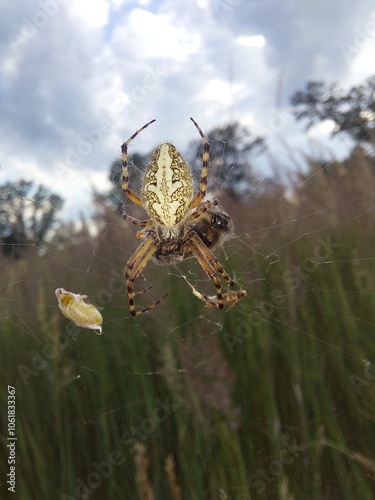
(125, 172)
(201, 209)
(137, 222)
(204, 172)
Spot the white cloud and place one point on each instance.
(93, 13)
(157, 36)
(222, 91)
(256, 41)
(323, 128)
(363, 65)
(117, 4)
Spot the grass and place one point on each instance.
(272, 399)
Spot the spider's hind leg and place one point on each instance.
(134, 267)
(229, 299)
(135, 313)
(214, 270)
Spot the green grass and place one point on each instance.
(272, 399)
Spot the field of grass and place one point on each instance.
(274, 398)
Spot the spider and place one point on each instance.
(181, 225)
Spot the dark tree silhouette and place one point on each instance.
(136, 163)
(27, 215)
(232, 147)
(353, 112)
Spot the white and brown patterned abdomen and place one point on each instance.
(167, 188)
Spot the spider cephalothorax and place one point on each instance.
(213, 227)
(181, 225)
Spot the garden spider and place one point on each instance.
(181, 225)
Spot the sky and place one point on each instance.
(78, 77)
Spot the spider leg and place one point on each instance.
(144, 290)
(125, 172)
(204, 172)
(210, 302)
(230, 298)
(201, 209)
(137, 222)
(134, 267)
(210, 265)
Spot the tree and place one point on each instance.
(232, 146)
(353, 113)
(27, 215)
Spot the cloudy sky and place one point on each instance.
(77, 77)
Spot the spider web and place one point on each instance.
(302, 250)
(244, 256)
(283, 247)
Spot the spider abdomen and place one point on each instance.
(167, 188)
